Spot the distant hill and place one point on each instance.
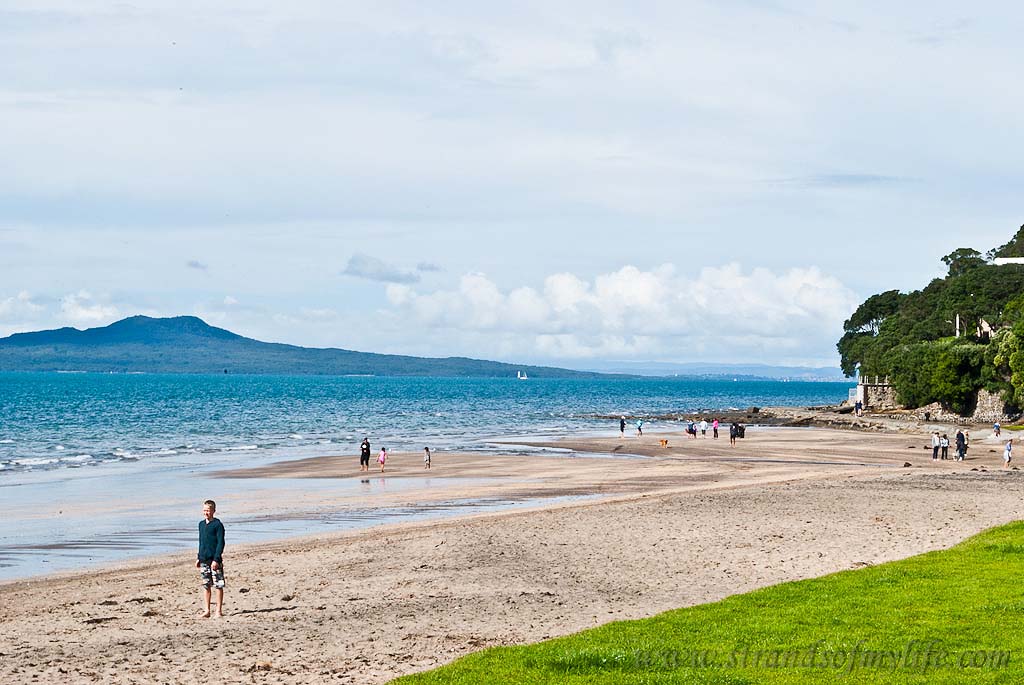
(724, 370)
(186, 344)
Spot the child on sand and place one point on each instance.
(1007, 453)
(382, 457)
(639, 428)
(208, 561)
(426, 458)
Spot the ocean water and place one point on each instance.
(103, 469)
(84, 421)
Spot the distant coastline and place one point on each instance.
(188, 345)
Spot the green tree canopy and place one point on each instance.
(962, 260)
(914, 338)
(1014, 248)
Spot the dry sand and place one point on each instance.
(689, 524)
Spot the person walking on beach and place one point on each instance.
(209, 561)
(734, 430)
(714, 429)
(996, 429)
(935, 445)
(704, 428)
(961, 445)
(364, 455)
(382, 458)
(1007, 453)
(622, 426)
(426, 458)
(639, 428)
(944, 446)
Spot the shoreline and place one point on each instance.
(685, 525)
(548, 473)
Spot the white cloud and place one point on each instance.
(229, 301)
(374, 269)
(82, 308)
(522, 141)
(20, 306)
(722, 313)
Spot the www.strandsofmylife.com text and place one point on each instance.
(919, 656)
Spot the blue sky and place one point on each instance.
(563, 183)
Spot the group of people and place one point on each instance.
(639, 427)
(962, 442)
(940, 445)
(382, 456)
(692, 427)
(735, 430)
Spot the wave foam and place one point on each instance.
(35, 461)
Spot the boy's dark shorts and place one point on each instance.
(212, 579)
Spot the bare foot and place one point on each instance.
(203, 614)
(220, 613)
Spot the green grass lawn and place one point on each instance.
(943, 617)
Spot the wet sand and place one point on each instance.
(690, 523)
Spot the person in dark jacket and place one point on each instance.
(961, 446)
(364, 455)
(209, 561)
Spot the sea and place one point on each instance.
(102, 467)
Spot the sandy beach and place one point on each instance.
(619, 538)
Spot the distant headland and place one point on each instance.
(187, 344)
(957, 344)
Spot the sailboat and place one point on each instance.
(521, 375)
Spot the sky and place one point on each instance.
(571, 183)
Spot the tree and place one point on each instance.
(944, 371)
(1009, 361)
(862, 328)
(962, 260)
(909, 337)
(1014, 248)
(870, 315)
